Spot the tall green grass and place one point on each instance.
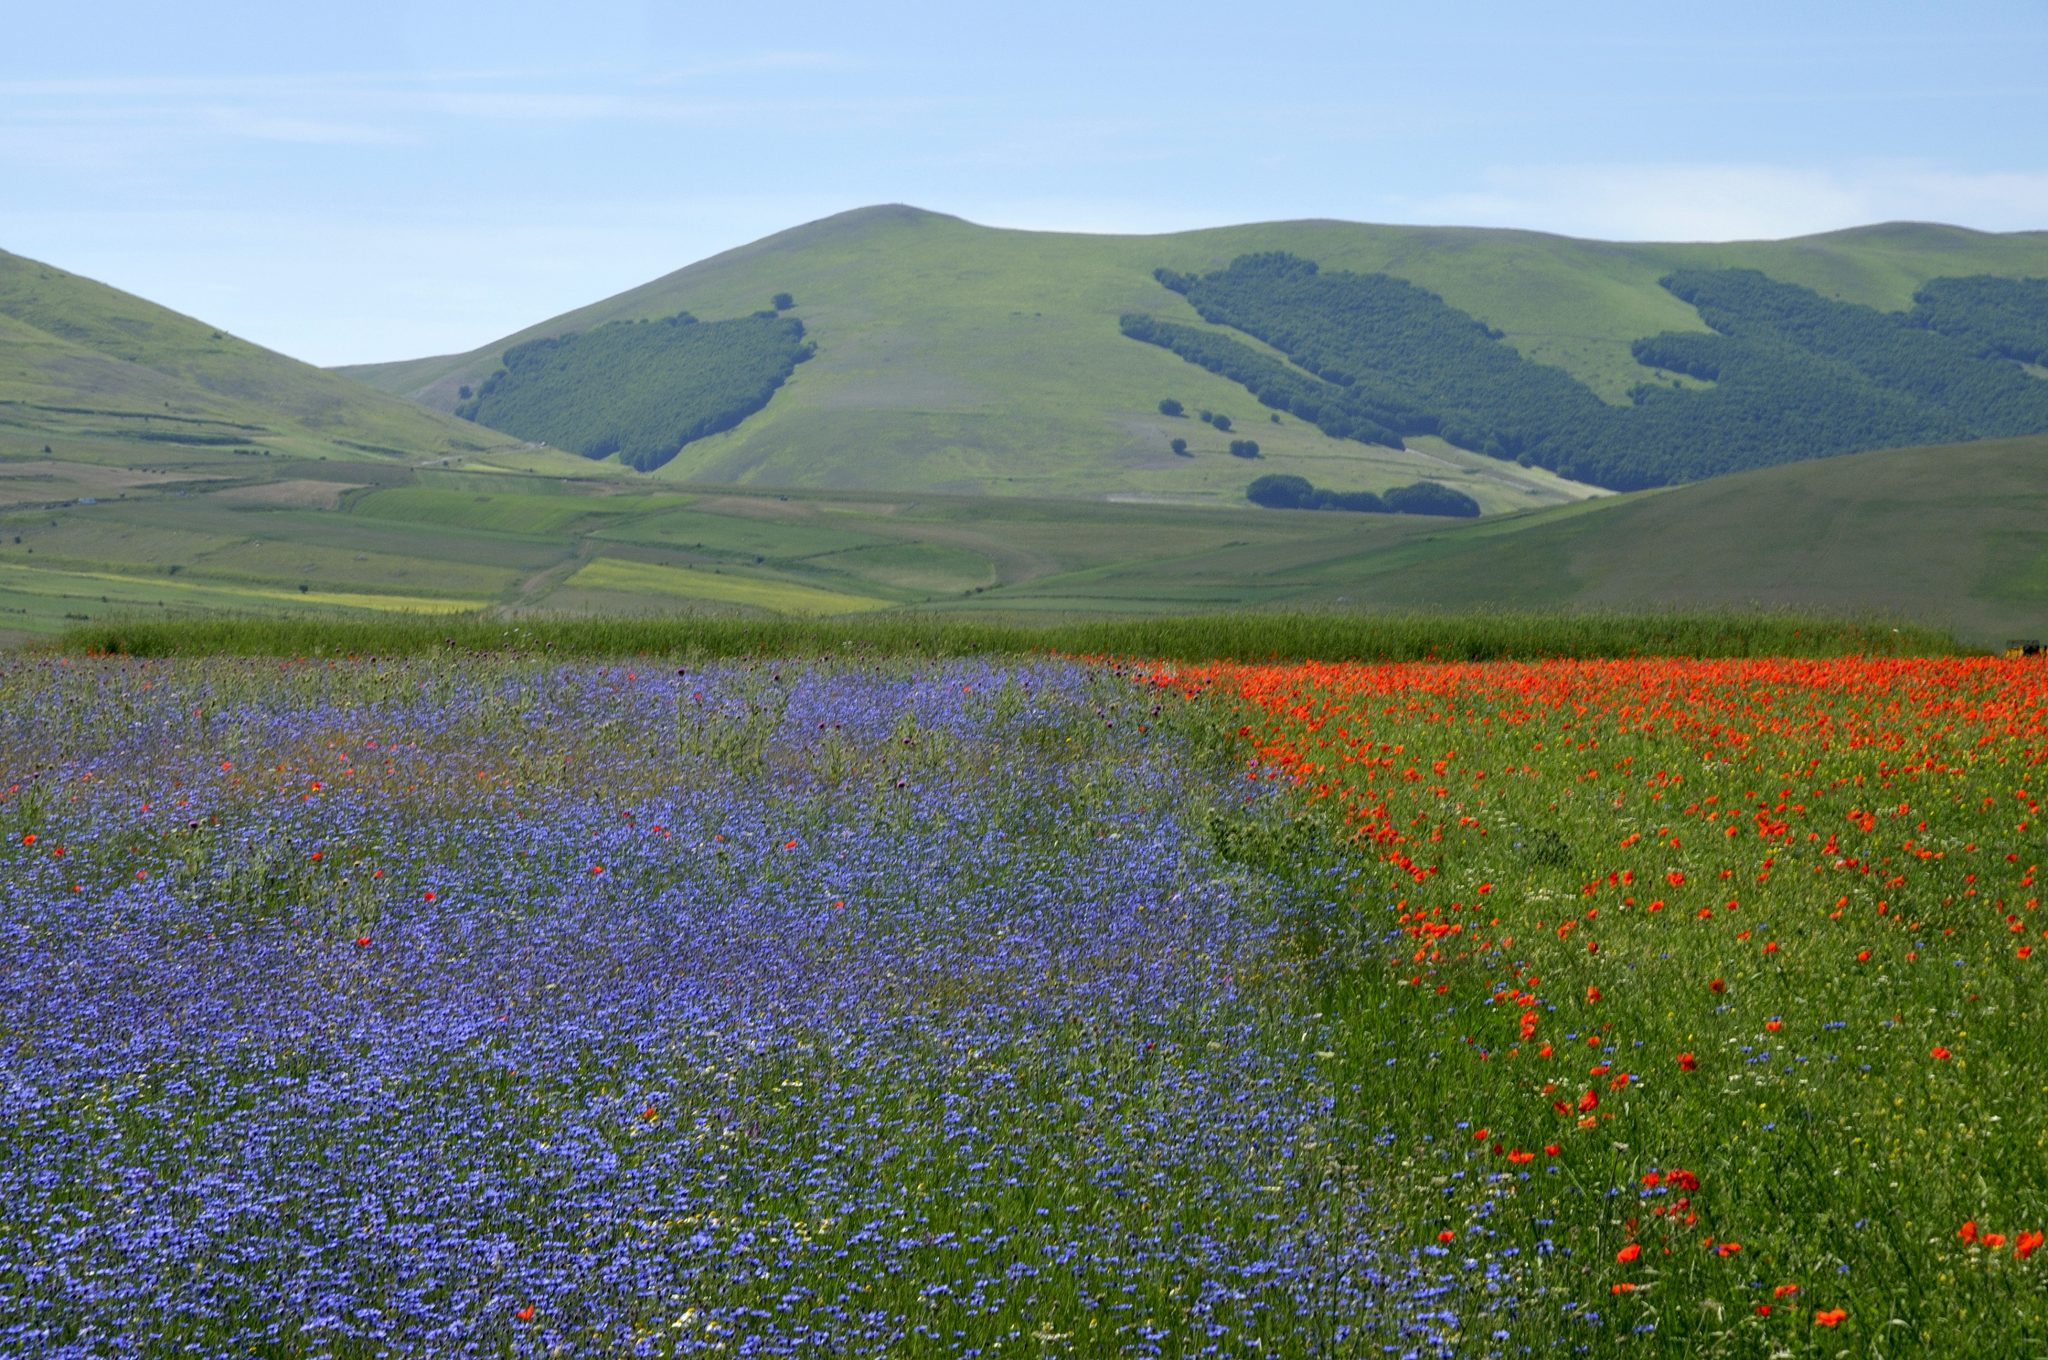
(1252, 637)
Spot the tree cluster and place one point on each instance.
(1794, 375)
(2003, 317)
(1283, 491)
(640, 389)
(1269, 380)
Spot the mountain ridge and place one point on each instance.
(967, 358)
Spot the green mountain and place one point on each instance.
(969, 359)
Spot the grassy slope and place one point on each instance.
(150, 461)
(967, 358)
(133, 373)
(1956, 537)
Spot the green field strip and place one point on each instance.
(618, 575)
(116, 588)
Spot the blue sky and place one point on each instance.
(384, 180)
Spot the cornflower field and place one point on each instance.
(871, 1006)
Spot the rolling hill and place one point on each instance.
(150, 465)
(970, 359)
(1955, 537)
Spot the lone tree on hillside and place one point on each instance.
(782, 302)
(1244, 448)
(1170, 407)
(1221, 422)
(1179, 446)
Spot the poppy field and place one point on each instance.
(865, 1005)
(1692, 1003)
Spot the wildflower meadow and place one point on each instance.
(859, 1005)
(1697, 1004)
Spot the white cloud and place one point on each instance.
(91, 121)
(1676, 202)
(263, 126)
(756, 63)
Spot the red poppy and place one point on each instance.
(1717, 986)
(1687, 1062)
(1629, 1253)
(1830, 1317)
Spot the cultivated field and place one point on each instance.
(876, 1003)
(1946, 537)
